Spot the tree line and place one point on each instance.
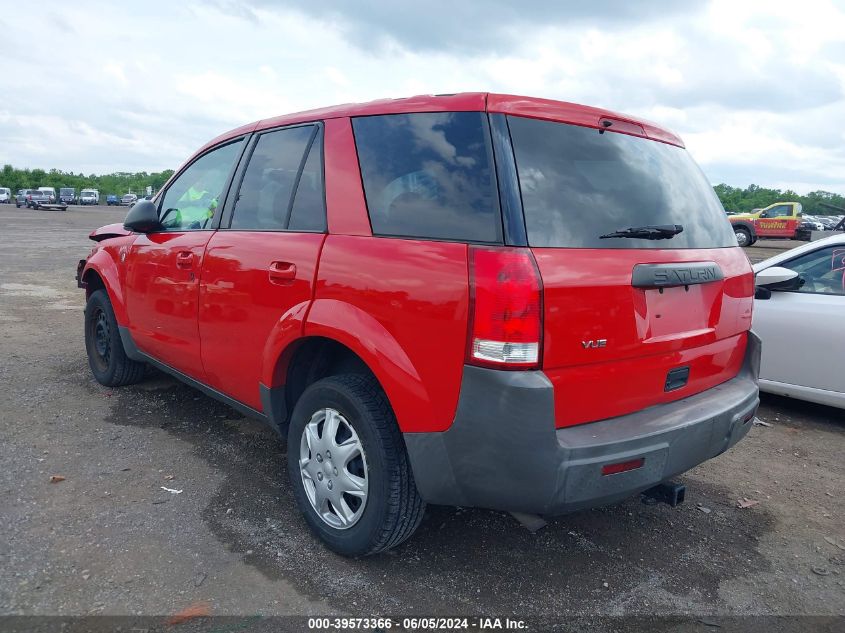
(733, 198)
(755, 197)
(117, 183)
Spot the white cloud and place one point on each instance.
(116, 71)
(756, 88)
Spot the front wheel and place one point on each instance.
(743, 236)
(349, 469)
(106, 356)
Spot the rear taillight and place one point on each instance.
(505, 329)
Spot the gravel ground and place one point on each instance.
(109, 540)
(764, 249)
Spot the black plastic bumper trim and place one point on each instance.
(503, 451)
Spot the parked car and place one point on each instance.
(814, 222)
(112, 200)
(5, 195)
(50, 191)
(129, 198)
(67, 195)
(25, 197)
(805, 230)
(37, 199)
(475, 299)
(798, 313)
(89, 196)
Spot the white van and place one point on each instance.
(5, 195)
(89, 196)
(50, 191)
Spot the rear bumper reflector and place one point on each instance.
(622, 467)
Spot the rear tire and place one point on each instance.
(390, 507)
(106, 356)
(743, 236)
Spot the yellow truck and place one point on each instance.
(779, 220)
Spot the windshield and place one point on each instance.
(66, 191)
(578, 185)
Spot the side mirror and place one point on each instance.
(142, 218)
(777, 278)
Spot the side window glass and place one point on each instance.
(823, 271)
(309, 212)
(192, 199)
(429, 175)
(264, 196)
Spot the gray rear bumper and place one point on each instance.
(503, 451)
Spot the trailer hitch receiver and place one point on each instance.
(668, 492)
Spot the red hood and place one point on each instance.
(108, 231)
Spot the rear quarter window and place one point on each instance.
(429, 175)
(578, 185)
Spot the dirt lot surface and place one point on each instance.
(764, 249)
(108, 539)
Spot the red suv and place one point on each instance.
(474, 299)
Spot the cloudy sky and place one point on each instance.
(756, 89)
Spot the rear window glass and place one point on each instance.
(578, 185)
(264, 197)
(429, 175)
(308, 212)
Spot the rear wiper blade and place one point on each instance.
(656, 232)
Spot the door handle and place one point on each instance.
(185, 259)
(282, 272)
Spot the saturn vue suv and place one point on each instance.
(477, 300)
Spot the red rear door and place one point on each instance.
(646, 298)
(260, 266)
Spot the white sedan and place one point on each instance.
(799, 313)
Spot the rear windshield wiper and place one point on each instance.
(656, 232)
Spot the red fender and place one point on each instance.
(280, 345)
(105, 263)
(368, 338)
